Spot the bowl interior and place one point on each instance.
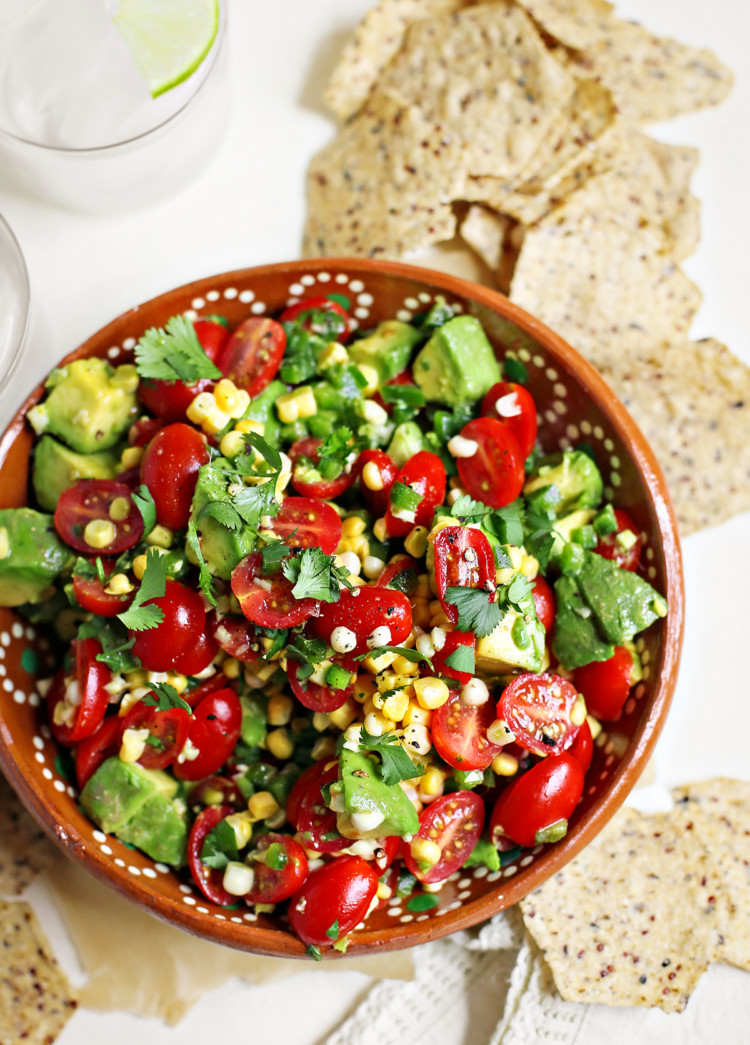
(575, 406)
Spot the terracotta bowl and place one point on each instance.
(575, 405)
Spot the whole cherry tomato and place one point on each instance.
(425, 474)
(336, 893)
(363, 611)
(401, 574)
(514, 407)
(463, 557)
(198, 657)
(316, 697)
(90, 500)
(170, 468)
(182, 626)
(167, 729)
(495, 473)
(308, 522)
(376, 498)
(455, 823)
(269, 603)
(252, 355)
(214, 730)
(453, 639)
(208, 879)
(320, 316)
(625, 555)
(537, 709)
(544, 602)
(277, 882)
(84, 695)
(544, 795)
(313, 484)
(606, 683)
(96, 748)
(195, 695)
(459, 733)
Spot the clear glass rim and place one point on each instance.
(95, 150)
(8, 364)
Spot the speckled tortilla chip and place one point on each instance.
(485, 232)
(691, 400)
(633, 919)
(372, 45)
(36, 1000)
(25, 850)
(383, 187)
(575, 23)
(486, 77)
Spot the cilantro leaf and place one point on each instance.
(173, 353)
(205, 578)
(219, 846)
(163, 697)
(315, 575)
(144, 502)
(116, 646)
(476, 613)
(138, 617)
(332, 932)
(309, 652)
(461, 659)
(468, 509)
(273, 555)
(253, 502)
(224, 513)
(83, 568)
(506, 523)
(396, 764)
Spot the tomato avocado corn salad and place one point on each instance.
(330, 623)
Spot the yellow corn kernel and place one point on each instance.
(417, 739)
(389, 680)
(284, 476)
(416, 715)
(306, 402)
(409, 641)
(232, 668)
(353, 526)
(232, 444)
(440, 620)
(130, 457)
(360, 546)
(431, 784)
(372, 567)
(119, 584)
(177, 681)
(578, 711)
(594, 725)
(133, 744)
(505, 765)
(377, 664)
(373, 703)
(358, 582)
(99, 533)
(402, 666)
(160, 537)
(249, 425)
(280, 707)
(529, 567)
(364, 688)
(204, 411)
(415, 542)
(371, 376)
(425, 851)
(139, 566)
(324, 747)
(262, 804)
(372, 477)
(242, 825)
(377, 724)
(320, 721)
(332, 354)
(420, 613)
(379, 530)
(139, 677)
(225, 395)
(384, 892)
(343, 716)
(423, 589)
(279, 744)
(287, 408)
(119, 509)
(264, 671)
(394, 706)
(4, 543)
(431, 693)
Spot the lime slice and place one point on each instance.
(167, 39)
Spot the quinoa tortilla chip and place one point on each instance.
(25, 850)
(485, 232)
(575, 23)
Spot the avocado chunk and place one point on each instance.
(577, 640)
(622, 602)
(32, 556)
(56, 467)
(458, 364)
(565, 527)
(222, 548)
(407, 440)
(261, 409)
(387, 349)
(364, 792)
(576, 479)
(90, 405)
(140, 806)
(501, 651)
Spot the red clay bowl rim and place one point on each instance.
(281, 943)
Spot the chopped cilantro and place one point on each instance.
(219, 846)
(396, 764)
(144, 502)
(205, 579)
(514, 370)
(461, 659)
(314, 953)
(273, 554)
(309, 652)
(163, 697)
(139, 617)
(173, 354)
(468, 510)
(315, 575)
(116, 646)
(332, 932)
(506, 523)
(476, 613)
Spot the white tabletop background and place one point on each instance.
(248, 208)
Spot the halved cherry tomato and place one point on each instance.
(514, 407)
(307, 778)
(425, 474)
(142, 431)
(198, 657)
(170, 470)
(362, 611)
(169, 400)
(455, 823)
(90, 499)
(305, 312)
(400, 574)
(606, 683)
(274, 884)
(182, 626)
(377, 500)
(208, 879)
(91, 595)
(453, 639)
(206, 791)
(545, 794)
(494, 474)
(194, 696)
(213, 334)
(463, 557)
(544, 602)
(91, 698)
(307, 486)
(340, 892)
(316, 823)
(627, 558)
(537, 710)
(237, 637)
(214, 729)
(308, 522)
(582, 747)
(459, 733)
(271, 603)
(313, 696)
(252, 355)
(96, 748)
(168, 731)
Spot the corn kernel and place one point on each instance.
(242, 825)
(177, 681)
(384, 892)
(394, 706)
(280, 707)
(287, 408)
(425, 851)
(530, 567)
(119, 584)
(343, 716)
(306, 402)
(420, 613)
(415, 542)
(594, 725)
(238, 878)
(372, 478)
(371, 376)
(225, 395)
(99, 533)
(505, 765)
(133, 744)
(431, 693)
(364, 688)
(379, 530)
(130, 457)
(331, 355)
(578, 711)
(377, 724)
(160, 537)
(320, 721)
(353, 526)
(4, 543)
(262, 805)
(232, 668)
(249, 425)
(402, 666)
(119, 509)
(324, 747)
(350, 562)
(377, 664)
(360, 546)
(440, 620)
(432, 783)
(417, 738)
(416, 715)
(372, 567)
(232, 444)
(279, 744)
(139, 566)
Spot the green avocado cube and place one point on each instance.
(365, 792)
(458, 364)
(159, 828)
(387, 349)
(261, 409)
(574, 475)
(32, 556)
(56, 467)
(222, 548)
(622, 602)
(577, 638)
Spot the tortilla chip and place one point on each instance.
(486, 77)
(575, 23)
(632, 920)
(372, 45)
(721, 811)
(383, 186)
(25, 850)
(36, 1000)
(691, 400)
(484, 231)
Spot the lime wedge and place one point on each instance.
(167, 39)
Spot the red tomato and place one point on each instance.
(272, 885)
(205, 793)
(582, 747)
(90, 499)
(213, 335)
(606, 683)
(237, 637)
(494, 474)
(517, 412)
(453, 640)
(404, 378)
(271, 603)
(425, 474)
(143, 430)
(87, 686)
(341, 891)
(194, 696)
(252, 355)
(169, 400)
(307, 778)
(545, 794)
(316, 523)
(198, 657)
(362, 611)
(91, 596)
(400, 574)
(544, 602)
(309, 321)
(184, 622)
(208, 879)
(377, 500)
(455, 823)
(463, 557)
(170, 470)
(459, 733)
(325, 489)
(625, 558)
(96, 748)
(537, 710)
(168, 731)
(316, 823)
(313, 696)
(214, 729)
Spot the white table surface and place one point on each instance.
(248, 208)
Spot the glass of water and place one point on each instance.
(14, 303)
